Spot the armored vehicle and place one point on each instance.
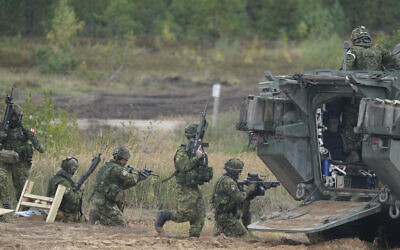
(300, 124)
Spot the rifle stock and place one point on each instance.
(95, 162)
(7, 113)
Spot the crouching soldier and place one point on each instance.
(109, 195)
(71, 206)
(232, 204)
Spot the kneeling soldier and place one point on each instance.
(109, 195)
(232, 204)
(70, 208)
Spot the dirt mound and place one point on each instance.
(172, 101)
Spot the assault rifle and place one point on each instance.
(192, 146)
(261, 185)
(95, 162)
(7, 113)
(144, 172)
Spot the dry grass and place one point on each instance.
(155, 150)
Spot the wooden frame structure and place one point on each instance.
(27, 199)
(4, 211)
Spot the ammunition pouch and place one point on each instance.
(114, 193)
(26, 152)
(9, 156)
(205, 174)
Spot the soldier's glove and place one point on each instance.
(131, 168)
(145, 172)
(41, 148)
(252, 187)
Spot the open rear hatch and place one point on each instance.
(316, 216)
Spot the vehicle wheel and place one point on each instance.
(383, 196)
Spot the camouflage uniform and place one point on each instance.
(351, 140)
(109, 195)
(70, 208)
(17, 139)
(190, 172)
(231, 204)
(363, 55)
(190, 200)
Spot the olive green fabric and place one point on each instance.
(351, 140)
(363, 55)
(188, 169)
(17, 139)
(109, 196)
(190, 203)
(369, 57)
(19, 173)
(232, 207)
(71, 202)
(190, 208)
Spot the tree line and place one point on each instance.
(202, 20)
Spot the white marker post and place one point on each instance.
(216, 93)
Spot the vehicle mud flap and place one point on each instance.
(316, 216)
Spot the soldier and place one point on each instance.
(16, 141)
(71, 206)
(189, 175)
(363, 55)
(231, 204)
(109, 196)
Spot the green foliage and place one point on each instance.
(274, 17)
(322, 54)
(57, 129)
(118, 17)
(199, 21)
(64, 27)
(51, 62)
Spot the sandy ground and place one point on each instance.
(34, 233)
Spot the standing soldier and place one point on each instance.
(363, 55)
(231, 204)
(190, 172)
(16, 154)
(109, 196)
(71, 205)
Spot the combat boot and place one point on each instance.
(94, 216)
(162, 217)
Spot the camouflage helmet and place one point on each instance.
(70, 165)
(121, 152)
(359, 33)
(17, 110)
(234, 166)
(190, 130)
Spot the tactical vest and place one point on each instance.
(198, 175)
(63, 178)
(368, 58)
(17, 140)
(104, 184)
(221, 201)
